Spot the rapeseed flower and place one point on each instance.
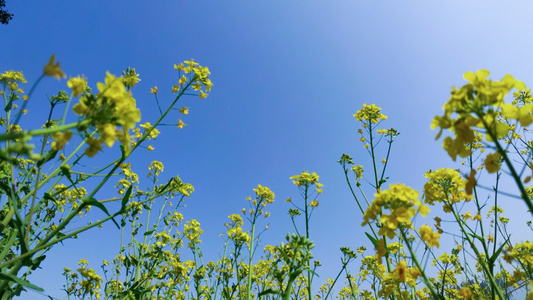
(371, 113)
(492, 162)
(445, 185)
(476, 104)
(184, 110)
(428, 236)
(53, 69)
(9, 77)
(60, 139)
(78, 85)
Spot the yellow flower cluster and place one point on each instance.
(522, 252)
(63, 195)
(475, 105)
(78, 85)
(358, 170)
(90, 283)
(265, 194)
(428, 236)
(113, 106)
(156, 167)
(11, 76)
(201, 77)
(60, 139)
(445, 185)
(192, 232)
(370, 113)
(402, 201)
(235, 230)
(307, 179)
(11, 79)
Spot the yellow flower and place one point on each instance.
(52, 69)
(154, 90)
(208, 84)
(181, 124)
(403, 203)
(203, 95)
(130, 77)
(401, 270)
(305, 179)
(197, 86)
(428, 236)
(182, 80)
(147, 126)
(380, 250)
(492, 162)
(465, 292)
(471, 183)
(358, 170)
(60, 139)
(94, 146)
(265, 193)
(184, 110)
(191, 62)
(313, 203)
(175, 88)
(12, 76)
(78, 85)
(370, 113)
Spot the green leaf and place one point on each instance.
(47, 157)
(36, 262)
(47, 196)
(9, 105)
(6, 276)
(294, 274)
(66, 172)
(126, 199)
(94, 202)
(492, 259)
(122, 151)
(149, 232)
(476, 236)
(373, 240)
(287, 259)
(266, 292)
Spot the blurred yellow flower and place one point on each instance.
(52, 69)
(78, 85)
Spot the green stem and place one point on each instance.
(249, 282)
(417, 263)
(307, 236)
(478, 255)
(502, 152)
(37, 132)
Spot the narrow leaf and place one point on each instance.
(7, 276)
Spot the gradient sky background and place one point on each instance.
(288, 76)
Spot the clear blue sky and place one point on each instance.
(288, 76)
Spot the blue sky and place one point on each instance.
(288, 76)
